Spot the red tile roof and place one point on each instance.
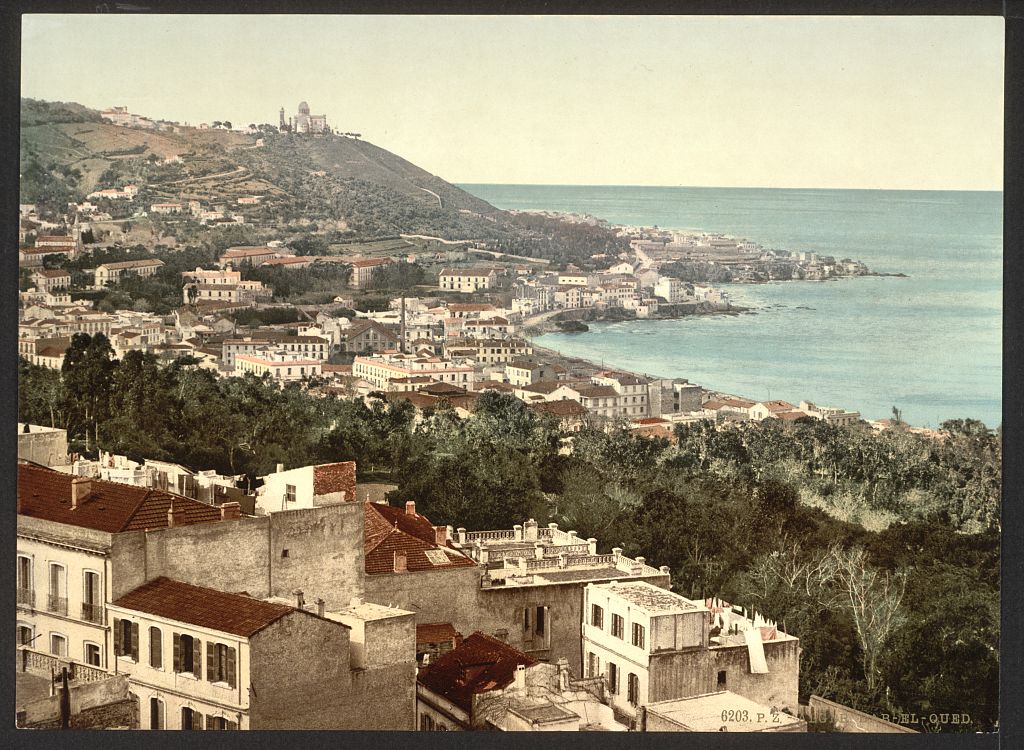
(337, 477)
(109, 506)
(388, 529)
(480, 664)
(206, 608)
(566, 407)
(437, 632)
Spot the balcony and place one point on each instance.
(92, 613)
(58, 605)
(27, 598)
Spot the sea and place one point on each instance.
(929, 345)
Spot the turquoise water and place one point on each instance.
(929, 344)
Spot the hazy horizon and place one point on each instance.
(871, 103)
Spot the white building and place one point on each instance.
(466, 279)
(306, 487)
(111, 273)
(280, 365)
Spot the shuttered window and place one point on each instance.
(633, 688)
(191, 719)
(188, 653)
(613, 678)
(156, 648)
(221, 663)
(126, 638)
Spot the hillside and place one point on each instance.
(335, 185)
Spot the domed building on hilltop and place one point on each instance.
(304, 122)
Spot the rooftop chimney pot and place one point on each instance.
(299, 598)
(441, 536)
(280, 468)
(230, 510)
(400, 562)
(410, 507)
(321, 606)
(80, 489)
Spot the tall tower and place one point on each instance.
(282, 118)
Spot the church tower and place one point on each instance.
(282, 118)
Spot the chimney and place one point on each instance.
(441, 536)
(521, 677)
(300, 600)
(321, 606)
(175, 516)
(400, 562)
(280, 468)
(410, 507)
(462, 534)
(80, 489)
(230, 510)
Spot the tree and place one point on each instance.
(873, 599)
(87, 372)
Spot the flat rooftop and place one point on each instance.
(652, 599)
(544, 714)
(704, 713)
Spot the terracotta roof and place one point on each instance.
(133, 264)
(336, 477)
(109, 506)
(52, 273)
(242, 251)
(596, 391)
(650, 420)
(777, 406)
(388, 529)
(417, 399)
(436, 632)
(206, 608)
(790, 416)
(481, 663)
(442, 389)
(567, 407)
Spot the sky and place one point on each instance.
(722, 101)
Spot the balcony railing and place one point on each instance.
(92, 613)
(57, 604)
(26, 598)
(47, 665)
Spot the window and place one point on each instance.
(220, 663)
(187, 655)
(156, 713)
(92, 654)
(156, 648)
(25, 593)
(539, 627)
(58, 644)
(721, 680)
(289, 490)
(613, 678)
(426, 723)
(593, 665)
(58, 600)
(618, 626)
(190, 718)
(633, 689)
(220, 722)
(597, 616)
(638, 635)
(25, 635)
(91, 609)
(126, 638)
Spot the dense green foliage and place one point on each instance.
(731, 512)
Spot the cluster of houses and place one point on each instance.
(310, 602)
(747, 261)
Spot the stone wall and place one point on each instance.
(683, 674)
(301, 679)
(316, 550)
